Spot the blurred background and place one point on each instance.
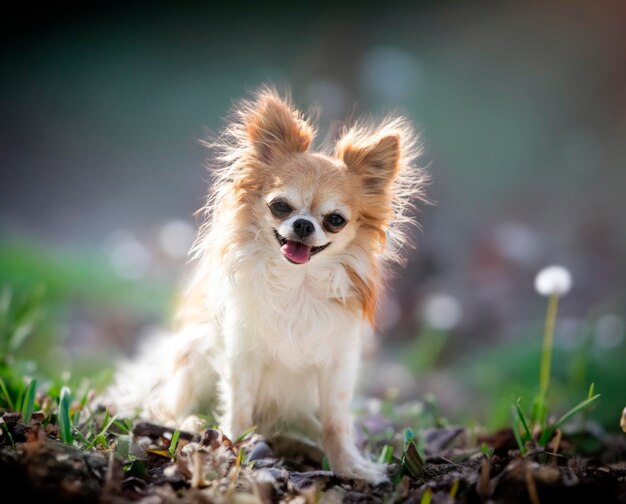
(522, 110)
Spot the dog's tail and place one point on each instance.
(171, 377)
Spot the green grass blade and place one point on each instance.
(454, 489)
(81, 438)
(106, 416)
(574, 410)
(101, 440)
(7, 397)
(28, 403)
(85, 397)
(590, 394)
(486, 450)
(125, 429)
(65, 425)
(8, 433)
(592, 389)
(547, 433)
(518, 437)
(101, 436)
(386, 455)
(326, 464)
(527, 435)
(20, 398)
(174, 443)
(539, 410)
(412, 461)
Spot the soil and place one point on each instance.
(209, 467)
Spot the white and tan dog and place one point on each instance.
(289, 265)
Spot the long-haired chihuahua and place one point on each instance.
(289, 264)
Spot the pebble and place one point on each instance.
(260, 451)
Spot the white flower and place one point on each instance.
(553, 280)
(622, 422)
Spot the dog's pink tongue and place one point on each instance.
(296, 251)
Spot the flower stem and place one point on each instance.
(548, 338)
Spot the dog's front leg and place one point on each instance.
(239, 391)
(239, 379)
(337, 382)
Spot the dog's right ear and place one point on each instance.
(274, 128)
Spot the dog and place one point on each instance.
(289, 264)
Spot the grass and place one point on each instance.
(64, 417)
(174, 443)
(412, 462)
(20, 314)
(386, 455)
(6, 396)
(27, 401)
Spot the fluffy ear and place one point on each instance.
(383, 157)
(274, 128)
(375, 159)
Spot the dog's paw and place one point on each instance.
(193, 423)
(359, 468)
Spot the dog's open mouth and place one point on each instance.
(295, 251)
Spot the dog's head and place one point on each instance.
(310, 204)
(308, 208)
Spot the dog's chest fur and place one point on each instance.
(296, 316)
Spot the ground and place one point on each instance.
(152, 464)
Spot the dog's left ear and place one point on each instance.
(275, 129)
(375, 158)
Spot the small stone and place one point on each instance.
(211, 437)
(12, 417)
(260, 451)
(38, 416)
(548, 475)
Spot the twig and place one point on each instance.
(483, 482)
(555, 445)
(531, 486)
(197, 474)
(109, 484)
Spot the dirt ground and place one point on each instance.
(142, 467)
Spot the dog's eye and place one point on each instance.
(334, 222)
(280, 208)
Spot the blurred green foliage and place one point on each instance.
(44, 292)
(69, 275)
(493, 377)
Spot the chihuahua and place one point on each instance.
(289, 264)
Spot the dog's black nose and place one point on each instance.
(303, 228)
